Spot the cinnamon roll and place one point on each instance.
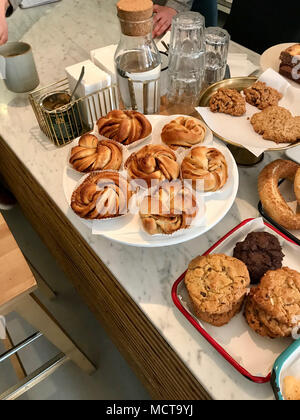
(184, 132)
(153, 163)
(125, 127)
(207, 164)
(169, 208)
(94, 155)
(102, 195)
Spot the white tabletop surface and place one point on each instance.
(63, 34)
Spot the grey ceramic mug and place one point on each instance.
(18, 68)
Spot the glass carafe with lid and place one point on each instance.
(137, 59)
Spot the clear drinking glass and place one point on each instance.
(186, 58)
(217, 45)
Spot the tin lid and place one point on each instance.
(135, 16)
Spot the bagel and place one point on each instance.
(297, 186)
(271, 198)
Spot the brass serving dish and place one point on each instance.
(241, 154)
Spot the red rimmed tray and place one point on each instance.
(203, 328)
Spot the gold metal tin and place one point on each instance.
(241, 154)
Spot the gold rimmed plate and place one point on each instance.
(242, 155)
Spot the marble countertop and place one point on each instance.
(63, 34)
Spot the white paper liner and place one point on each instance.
(76, 143)
(199, 219)
(239, 129)
(254, 353)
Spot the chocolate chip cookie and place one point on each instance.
(217, 285)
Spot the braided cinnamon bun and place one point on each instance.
(183, 132)
(168, 209)
(207, 164)
(124, 127)
(94, 155)
(153, 162)
(102, 195)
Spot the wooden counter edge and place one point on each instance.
(156, 364)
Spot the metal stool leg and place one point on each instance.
(34, 378)
(14, 358)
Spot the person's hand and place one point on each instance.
(3, 30)
(162, 20)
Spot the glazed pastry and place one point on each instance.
(271, 198)
(125, 127)
(153, 163)
(206, 164)
(261, 95)
(102, 195)
(275, 303)
(261, 252)
(170, 208)
(228, 101)
(277, 124)
(183, 132)
(92, 155)
(297, 186)
(217, 285)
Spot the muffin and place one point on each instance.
(261, 252)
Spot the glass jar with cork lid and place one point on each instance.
(137, 59)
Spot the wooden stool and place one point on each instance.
(17, 284)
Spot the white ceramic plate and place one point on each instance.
(294, 154)
(270, 58)
(126, 230)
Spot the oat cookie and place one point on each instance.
(279, 329)
(216, 283)
(228, 101)
(262, 96)
(277, 124)
(252, 317)
(279, 295)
